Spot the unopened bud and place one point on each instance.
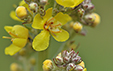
(77, 26)
(78, 68)
(22, 52)
(15, 67)
(89, 18)
(33, 61)
(21, 12)
(33, 6)
(91, 6)
(96, 20)
(70, 67)
(66, 59)
(43, 2)
(65, 53)
(47, 65)
(82, 64)
(71, 24)
(81, 12)
(77, 59)
(58, 60)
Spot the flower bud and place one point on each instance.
(22, 52)
(33, 61)
(33, 6)
(89, 18)
(15, 67)
(87, 5)
(71, 24)
(96, 20)
(47, 65)
(58, 60)
(82, 64)
(70, 66)
(81, 12)
(21, 12)
(77, 26)
(43, 2)
(65, 53)
(66, 59)
(78, 68)
(77, 59)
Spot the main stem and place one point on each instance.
(41, 57)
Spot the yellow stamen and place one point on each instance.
(12, 34)
(56, 25)
(6, 37)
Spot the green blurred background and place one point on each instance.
(96, 48)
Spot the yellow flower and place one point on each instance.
(13, 14)
(69, 3)
(19, 36)
(51, 25)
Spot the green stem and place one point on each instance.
(42, 55)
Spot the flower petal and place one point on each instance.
(62, 36)
(41, 41)
(22, 3)
(76, 3)
(65, 3)
(19, 42)
(38, 22)
(63, 18)
(12, 49)
(20, 31)
(8, 28)
(13, 16)
(48, 14)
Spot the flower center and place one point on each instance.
(51, 26)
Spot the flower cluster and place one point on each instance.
(41, 19)
(69, 60)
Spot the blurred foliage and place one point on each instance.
(96, 48)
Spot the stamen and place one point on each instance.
(50, 20)
(56, 25)
(6, 37)
(48, 25)
(12, 34)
